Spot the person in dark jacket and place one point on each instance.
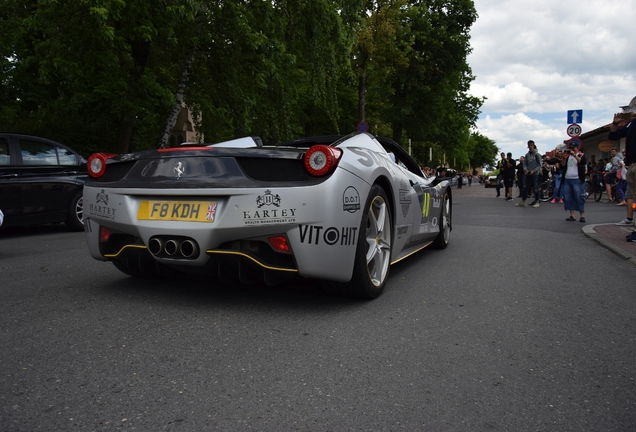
(531, 168)
(509, 168)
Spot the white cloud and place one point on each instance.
(536, 59)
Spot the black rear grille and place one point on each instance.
(267, 169)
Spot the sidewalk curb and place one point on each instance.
(588, 230)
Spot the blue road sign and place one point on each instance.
(575, 116)
(362, 127)
(576, 140)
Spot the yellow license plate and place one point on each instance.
(182, 211)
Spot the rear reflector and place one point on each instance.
(104, 234)
(279, 243)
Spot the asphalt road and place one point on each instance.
(522, 323)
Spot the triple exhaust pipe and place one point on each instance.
(173, 247)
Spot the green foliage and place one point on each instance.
(102, 74)
(484, 150)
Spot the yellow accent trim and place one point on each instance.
(122, 249)
(408, 255)
(252, 258)
(427, 204)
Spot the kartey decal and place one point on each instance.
(268, 199)
(101, 197)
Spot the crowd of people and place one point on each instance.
(568, 168)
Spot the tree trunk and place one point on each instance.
(397, 132)
(362, 83)
(179, 97)
(140, 53)
(124, 134)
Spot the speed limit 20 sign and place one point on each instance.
(574, 130)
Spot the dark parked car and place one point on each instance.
(41, 181)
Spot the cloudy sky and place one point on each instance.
(536, 59)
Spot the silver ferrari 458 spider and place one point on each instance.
(337, 209)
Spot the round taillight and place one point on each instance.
(97, 164)
(321, 160)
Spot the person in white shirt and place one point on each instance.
(573, 180)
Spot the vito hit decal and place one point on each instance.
(316, 234)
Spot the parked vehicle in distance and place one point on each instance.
(41, 181)
(336, 209)
(491, 182)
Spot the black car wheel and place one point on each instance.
(373, 251)
(442, 239)
(75, 218)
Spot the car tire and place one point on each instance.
(442, 239)
(373, 250)
(75, 218)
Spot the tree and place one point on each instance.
(484, 150)
(106, 74)
(429, 100)
(101, 72)
(272, 68)
(377, 51)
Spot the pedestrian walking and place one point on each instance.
(531, 168)
(509, 169)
